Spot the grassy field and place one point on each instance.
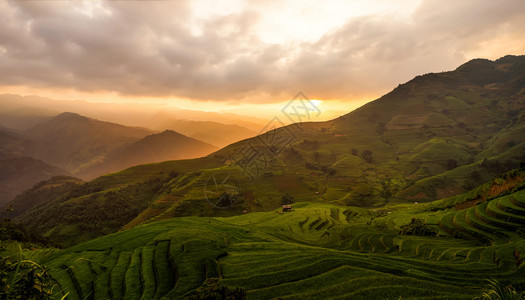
(316, 251)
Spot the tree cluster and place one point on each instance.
(417, 227)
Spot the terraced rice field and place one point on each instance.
(317, 251)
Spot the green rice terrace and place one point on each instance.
(446, 249)
(411, 196)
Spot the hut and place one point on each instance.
(287, 207)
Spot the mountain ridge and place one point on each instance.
(21, 173)
(433, 137)
(153, 148)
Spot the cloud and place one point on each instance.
(164, 48)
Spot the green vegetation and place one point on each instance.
(497, 291)
(407, 197)
(10, 231)
(436, 136)
(22, 278)
(317, 251)
(417, 227)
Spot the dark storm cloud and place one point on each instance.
(158, 49)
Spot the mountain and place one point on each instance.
(215, 133)
(89, 148)
(315, 251)
(167, 145)
(12, 144)
(40, 194)
(20, 173)
(22, 112)
(433, 137)
(75, 142)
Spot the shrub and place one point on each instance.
(417, 227)
(24, 279)
(309, 144)
(287, 199)
(211, 291)
(367, 155)
(452, 164)
(17, 232)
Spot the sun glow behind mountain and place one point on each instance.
(250, 58)
(298, 149)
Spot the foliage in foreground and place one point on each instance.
(498, 291)
(23, 279)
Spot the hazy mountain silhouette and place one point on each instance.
(20, 173)
(215, 133)
(167, 145)
(75, 142)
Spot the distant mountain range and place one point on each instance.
(23, 112)
(75, 142)
(215, 133)
(84, 147)
(20, 173)
(433, 137)
(167, 145)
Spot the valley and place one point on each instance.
(316, 251)
(265, 150)
(418, 194)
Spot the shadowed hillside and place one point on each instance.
(89, 148)
(20, 173)
(12, 144)
(167, 145)
(75, 142)
(40, 194)
(314, 251)
(217, 134)
(433, 137)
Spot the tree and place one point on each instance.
(361, 196)
(210, 290)
(511, 143)
(287, 199)
(452, 164)
(417, 227)
(367, 155)
(317, 156)
(386, 189)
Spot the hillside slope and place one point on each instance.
(215, 133)
(435, 136)
(40, 194)
(167, 145)
(316, 251)
(20, 173)
(12, 144)
(432, 137)
(74, 142)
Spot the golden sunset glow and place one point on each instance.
(246, 57)
(262, 149)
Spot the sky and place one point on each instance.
(248, 57)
